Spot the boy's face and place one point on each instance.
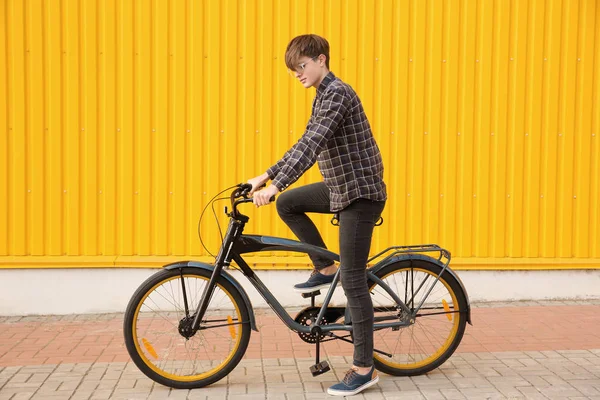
(310, 71)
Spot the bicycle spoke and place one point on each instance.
(158, 312)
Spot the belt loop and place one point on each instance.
(335, 221)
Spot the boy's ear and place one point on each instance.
(323, 58)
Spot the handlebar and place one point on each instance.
(240, 196)
(246, 188)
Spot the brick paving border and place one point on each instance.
(513, 375)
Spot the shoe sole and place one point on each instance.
(312, 289)
(334, 392)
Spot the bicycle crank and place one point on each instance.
(308, 317)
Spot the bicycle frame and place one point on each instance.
(235, 244)
(248, 243)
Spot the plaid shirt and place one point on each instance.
(339, 137)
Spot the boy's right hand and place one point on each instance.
(258, 182)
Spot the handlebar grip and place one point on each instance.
(249, 200)
(247, 187)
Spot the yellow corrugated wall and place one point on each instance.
(120, 119)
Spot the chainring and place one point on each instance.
(308, 317)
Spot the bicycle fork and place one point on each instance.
(234, 230)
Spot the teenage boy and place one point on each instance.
(338, 136)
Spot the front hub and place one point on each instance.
(185, 327)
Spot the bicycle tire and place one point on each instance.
(455, 326)
(135, 321)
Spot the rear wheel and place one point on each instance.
(438, 327)
(157, 333)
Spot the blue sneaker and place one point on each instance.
(354, 383)
(316, 281)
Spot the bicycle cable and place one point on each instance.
(217, 218)
(210, 202)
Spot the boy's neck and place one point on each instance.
(318, 83)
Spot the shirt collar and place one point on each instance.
(330, 77)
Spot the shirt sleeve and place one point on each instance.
(274, 170)
(320, 129)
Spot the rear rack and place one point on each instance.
(421, 248)
(425, 248)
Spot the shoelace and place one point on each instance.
(349, 376)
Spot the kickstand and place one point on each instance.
(319, 367)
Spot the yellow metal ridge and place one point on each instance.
(279, 262)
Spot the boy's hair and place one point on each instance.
(306, 46)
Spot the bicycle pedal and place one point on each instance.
(319, 368)
(311, 294)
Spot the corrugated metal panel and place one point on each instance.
(121, 119)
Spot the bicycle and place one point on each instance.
(186, 348)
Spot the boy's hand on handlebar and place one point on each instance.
(263, 197)
(258, 182)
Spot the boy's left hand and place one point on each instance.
(263, 197)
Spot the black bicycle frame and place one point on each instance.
(235, 244)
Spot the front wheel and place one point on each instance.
(438, 327)
(157, 334)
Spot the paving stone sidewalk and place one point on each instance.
(525, 350)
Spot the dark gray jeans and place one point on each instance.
(356, 230)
